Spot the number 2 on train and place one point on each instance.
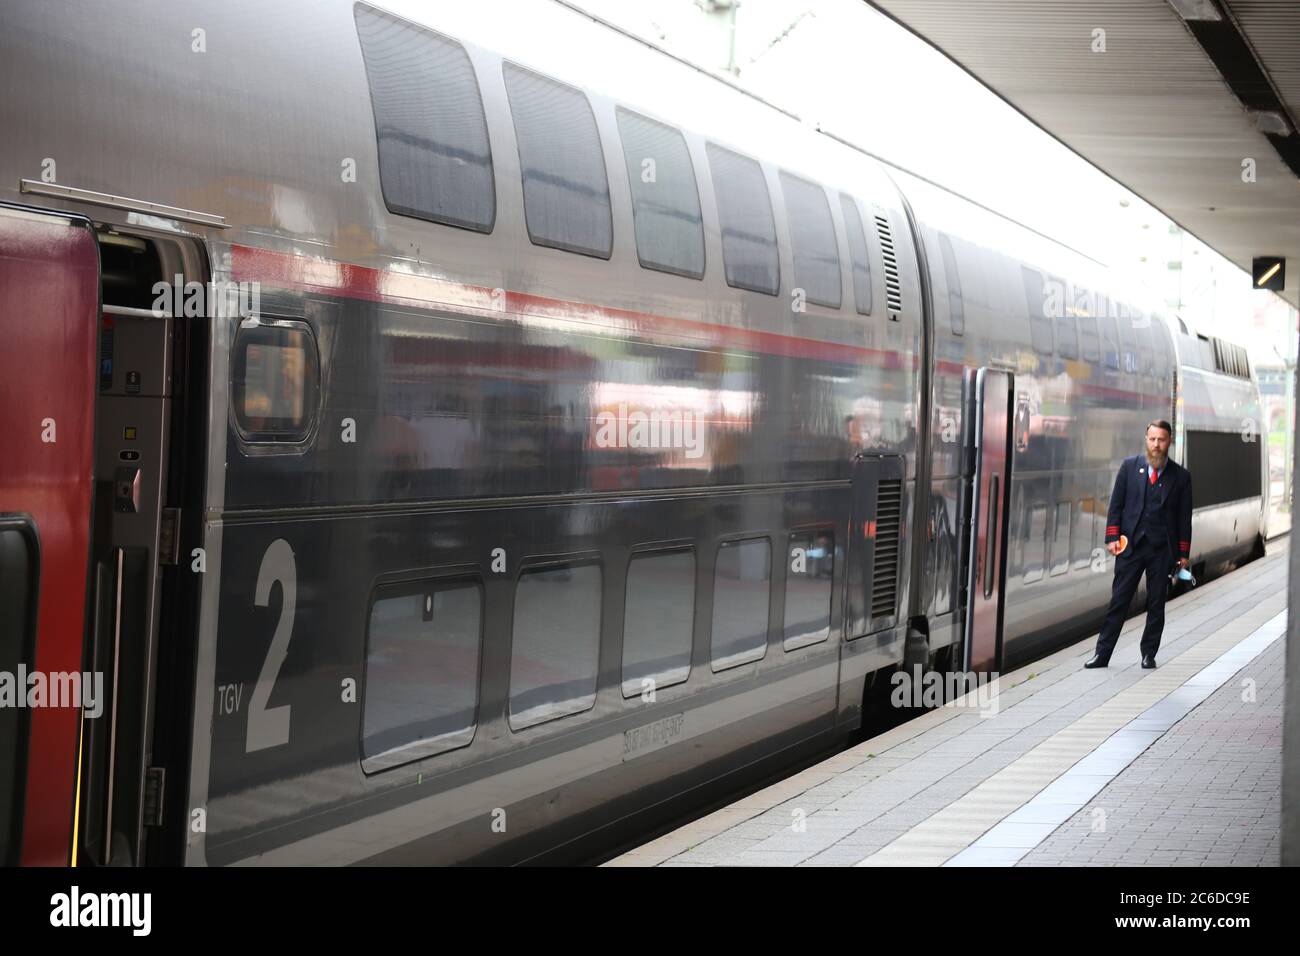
(269, 726)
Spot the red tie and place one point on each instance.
(1152, 474)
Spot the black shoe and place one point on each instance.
(1148, 661)
(1096, 662)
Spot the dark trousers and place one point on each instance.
(1141, 558)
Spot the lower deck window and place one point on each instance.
(741, 591)
(556, 646)
(1035, 541)
(422, 669)
(809, 572)
(658, 620)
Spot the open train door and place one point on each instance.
(49, 314)
(989, 396)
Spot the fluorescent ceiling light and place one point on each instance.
(1269, 274)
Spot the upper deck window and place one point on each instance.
(566, 191)
(749, 254)
(952, 278)
(665, 197)
(812, 240)
(434, 159)
(1037, 295)
(858, 253)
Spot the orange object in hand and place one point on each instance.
(1123, 543)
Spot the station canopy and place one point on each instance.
(1173, 99)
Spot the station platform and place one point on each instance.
(1177, 766)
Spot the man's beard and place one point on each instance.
(1157, 461)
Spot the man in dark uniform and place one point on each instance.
(1151, 506)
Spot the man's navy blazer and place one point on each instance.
(1133, 484)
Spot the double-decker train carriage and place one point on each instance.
(443, 458)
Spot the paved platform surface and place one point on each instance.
(1176, 766)
(1207, 793)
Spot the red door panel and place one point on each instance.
(49, 307)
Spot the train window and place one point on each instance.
(741, 591)
(1123, 359)
(1128, 340)
(1158, 333)
(1104, 491)
(1227, 467)
(566, 191)
(810, 570)
(812, 240)
(556, 645)
(1035, 541)
(1110, 345)
(665, 197)
(1061, 539)
(422, 671)
(658, 620)
(1141, 326)
(1089, 338)
(858, 253)
(1016, 530)
(952, 278)
(1040, 323)
(1081, 532)
(274, 376)
(1067, 333)
(435, 162)
(749, 255)
(1085, 312)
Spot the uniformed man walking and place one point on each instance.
(1151, 512)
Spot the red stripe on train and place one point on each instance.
(311, 274)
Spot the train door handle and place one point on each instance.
(990, 546)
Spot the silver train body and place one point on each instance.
(452, 448)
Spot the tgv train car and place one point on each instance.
(1219, 428)
(436, 457)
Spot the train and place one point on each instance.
(413, 455)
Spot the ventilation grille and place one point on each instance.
(1230, 359)
(893, 291)
(884, 571)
